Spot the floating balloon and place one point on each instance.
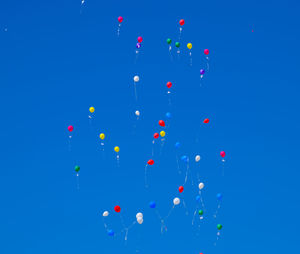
(189, 45)
(105, 214)
(181, 22)
(200, 212)
(161, 123)
(70, 128)
(176, 201)
(219, 226)
(150, 162)
(162, 133)
(110, 232)
(140, 39)
(102, 136)
(156, 135)
(139, 215)
(169, 84)
(201, 186)
(177, 145)
(222, 154)
(77, 168)
(92, 109)
(152, 204)
(219, 196)
(117, 209)
(137, 113)
(206, 120)
(168, 115)
(180, 189)
(197, 158)
(117, 149)
(198, 198)
(206, 51)
(169, 41)
(120, 19)
(138, 45)
(202, 71)
(184, 158)
(177, 44)
(136, 79)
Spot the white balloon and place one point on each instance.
(176, 201)
(197, 158)
(139, 215)
(105, 214)
(136, 78)
(140, 220)
(201, 186)
(137, 113)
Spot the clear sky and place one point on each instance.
(58, 58)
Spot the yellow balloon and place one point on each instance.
(189, 45)
(162, 133)
(92, 109)
(102, 136)
(117, 149)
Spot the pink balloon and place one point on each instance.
(140, 39)
(222, 154)
(206, 51)
(70, 128)
(120, 19)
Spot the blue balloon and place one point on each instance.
(110, 232)
(219, 196)
(184, 158)
(152, 204)
(198, 198)
(177, 145)
(168, 115)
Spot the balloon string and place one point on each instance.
(146, 182)
(135, 92)
(218, 208)
(207, 63)
(77, 181)
(187, 172)
(177, 161)
(162, 222)
(153, 147)
(185, 207)
(201, 200)
(194, 215)
(119, 28)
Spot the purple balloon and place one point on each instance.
(138, 45)
(202, 71)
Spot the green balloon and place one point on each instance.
(177, 44)
(169, 41)
(77, 168)
(219, 226)
(200, 212)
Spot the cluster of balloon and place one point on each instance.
(138, 44)
(120, 20)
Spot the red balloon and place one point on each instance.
(70, 128)
(150, 162)
(161, 123)
(181, 22)
(117, 209)
(206, 51)
(156, 135)
(120, 19)
(206, 120)
(222, 153)
(169, 84)
(140, 39)
(180, 189)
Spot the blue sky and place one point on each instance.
(58, 58)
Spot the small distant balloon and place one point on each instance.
(206, 120)
(152, 204)
(198, 198)
(70, 128)
(150, 162)
(136, 79)
(105, 214)
(177, 145)
(206, 51)
(77, 168)
(161, 123)
(181, 22)
(120, 19)
(156, 135)
(201, 186)
(110, 232)
(117, 209)
(169, 84)
(177, 44)
(176, 201)
(222, 153)
(102, 136)
(168, 115)
(200, 212)
(197, 158)
(184, 158)
(138, 45)
(140, 39)
(202, 71)
(92, 109)
(189, 46)
(169, 41)
(117, 149)
(137, 113)
(219, 226)
(162, 133)
(219, 196)
(180, 189)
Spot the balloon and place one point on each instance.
(169, 41)
(206, 120)
(184, 158)
(197, 158)
(168, 115)
(169, 84)
(219, 196)
(177, 44)
(206, 51)
(200, 212)
(202, 71)
(102, 136)
(70, 128)
(180, 189)
(140, 39)
(152, 204)
(117, 149)
(156, 135)
(150, 162)
(138, 45)
(176, 201)
(219, 226)
(161, 123)
(105, 214)
(198, 198)
(139, 215)
(140, 220)
(92, 109)
(136, 79)
(110, 232)
(137, 113)
(181, 22)
(189, 45)
(120, 19)
(177, 145)
(117, 209)
(222, 154)
(162, 133)
(77, 168)
(201, 186)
